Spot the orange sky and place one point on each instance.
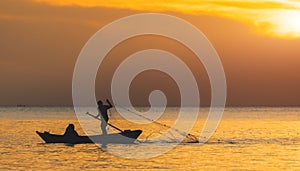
(258, 43)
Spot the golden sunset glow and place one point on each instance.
(275, 18)
(287, 24)
(257, 41)
(164, 83)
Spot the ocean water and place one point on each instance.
(246, 139)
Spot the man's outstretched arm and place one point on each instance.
(109, 104)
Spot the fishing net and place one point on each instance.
(174, 135)
(171, 138)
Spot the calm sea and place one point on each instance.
(246, 139)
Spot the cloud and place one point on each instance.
(265, 16)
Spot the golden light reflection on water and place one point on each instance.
(276, 18)
(254, 139)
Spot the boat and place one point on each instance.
(124, 137)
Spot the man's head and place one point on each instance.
(71, 126)
(100, 103)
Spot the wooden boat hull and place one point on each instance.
(125, 137)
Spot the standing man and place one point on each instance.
(102, 112)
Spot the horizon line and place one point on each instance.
(149, 106)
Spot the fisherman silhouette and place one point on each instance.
(70, 131)
(102, 113)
